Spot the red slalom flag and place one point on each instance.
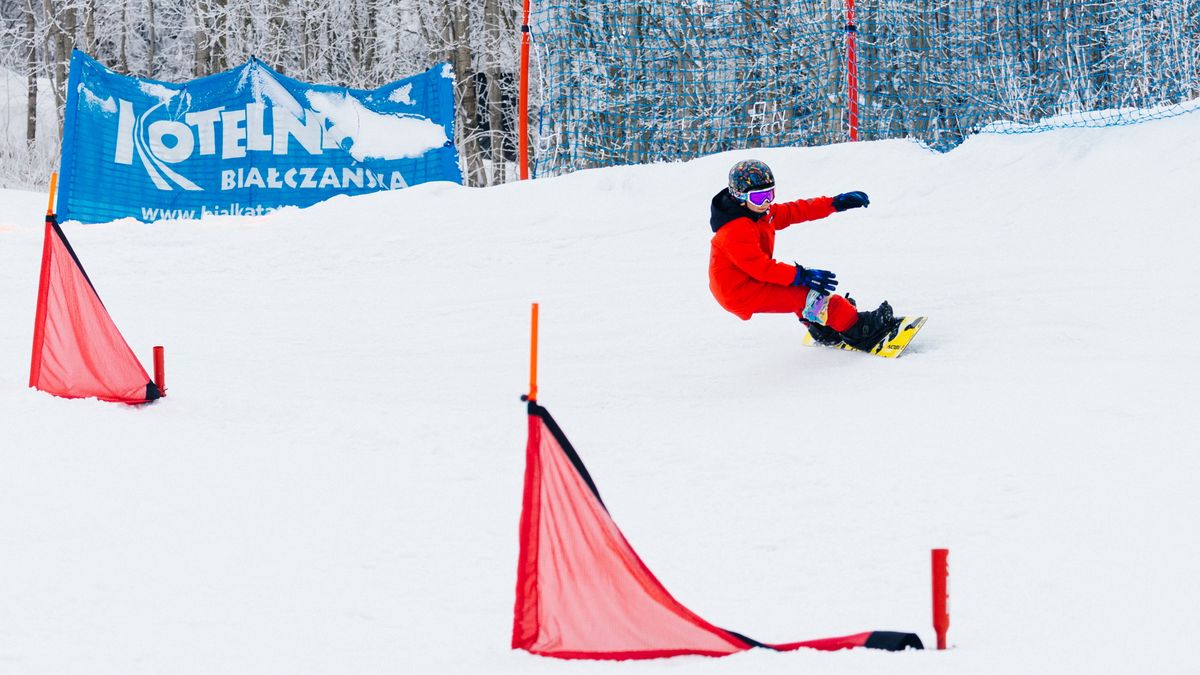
(77, 350)
(583, 592)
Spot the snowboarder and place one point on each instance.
(746, 280)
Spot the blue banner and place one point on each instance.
(244, 141)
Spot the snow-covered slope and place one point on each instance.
(333, 483)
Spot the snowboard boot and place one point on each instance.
(872, 328)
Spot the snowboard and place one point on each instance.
(893, 345)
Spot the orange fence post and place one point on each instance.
(533, 354)
(53, 190)
(941, 613)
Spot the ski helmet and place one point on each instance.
(749, 174)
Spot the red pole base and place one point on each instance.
(160, 374)
(941, 613)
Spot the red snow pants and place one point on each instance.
(775, 299)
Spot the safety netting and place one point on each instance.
(940, 71)
(636, 81)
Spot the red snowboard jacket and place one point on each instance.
(741, 262)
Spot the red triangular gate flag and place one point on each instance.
(582, 591)
(77, 350)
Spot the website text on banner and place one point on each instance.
(247, 140)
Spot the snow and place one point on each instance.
(266, 88)
(402, 94)
(106, 104)
(377, 135)
(163, 93)
(333, 484)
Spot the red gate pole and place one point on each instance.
(941, 614)
(852, 70)
(39, 320)
(523, 102)
(160, 371)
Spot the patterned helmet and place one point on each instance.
(749, 174)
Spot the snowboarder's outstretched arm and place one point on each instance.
(789, 213)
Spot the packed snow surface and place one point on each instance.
(333, 483)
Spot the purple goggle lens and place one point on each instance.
(760, 197)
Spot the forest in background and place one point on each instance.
(353, 43)
(633, 81)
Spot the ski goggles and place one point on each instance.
(760, 197)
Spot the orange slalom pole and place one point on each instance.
(941, 613)
(523, 101)
(53, 191)
(160, 371)
(533, 354)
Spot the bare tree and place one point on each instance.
(31, 76)
(498, 54)
(459, 48)
(151, 40)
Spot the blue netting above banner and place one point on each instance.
(635, 81)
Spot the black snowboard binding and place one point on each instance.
(872, 328)
(823, 335)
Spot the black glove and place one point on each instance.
(822, 281)
(851, 200)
